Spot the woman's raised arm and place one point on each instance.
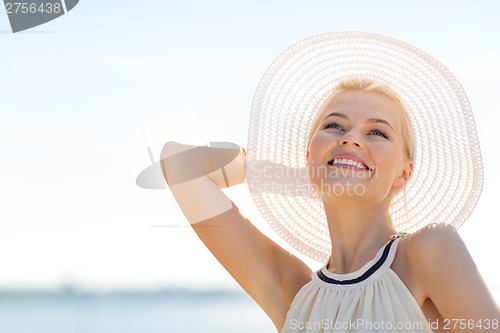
(195, 175)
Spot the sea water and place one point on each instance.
(140, 312)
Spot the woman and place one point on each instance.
(359, 155)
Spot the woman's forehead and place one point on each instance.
(358, 104)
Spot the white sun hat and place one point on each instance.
(447, 178)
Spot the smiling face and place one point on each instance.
(365, 125)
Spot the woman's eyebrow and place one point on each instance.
(373, 120)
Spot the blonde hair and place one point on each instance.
(372, 86)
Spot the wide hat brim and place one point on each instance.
(447, 177)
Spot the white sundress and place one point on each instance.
(371, 299)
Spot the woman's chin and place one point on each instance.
(347, 187)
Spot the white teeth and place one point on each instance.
(348, 162)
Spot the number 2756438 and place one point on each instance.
(33, 8)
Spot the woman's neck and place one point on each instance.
(357, 232)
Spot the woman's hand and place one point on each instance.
(223, 162)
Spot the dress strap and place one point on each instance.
(383, 259)
(392, 251)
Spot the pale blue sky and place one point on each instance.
(83, 95)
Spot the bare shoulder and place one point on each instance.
(411, 257)
(436, 244)
(432, 238)
(447, 275)
(427, 249)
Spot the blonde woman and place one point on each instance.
(352, 132)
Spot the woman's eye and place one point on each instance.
(331, 125)
(381, 133)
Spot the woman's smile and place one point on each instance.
(347, 166)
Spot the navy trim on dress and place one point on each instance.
(365, 276)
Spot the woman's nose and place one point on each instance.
(349, 138)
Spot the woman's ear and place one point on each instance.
(405, 175)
